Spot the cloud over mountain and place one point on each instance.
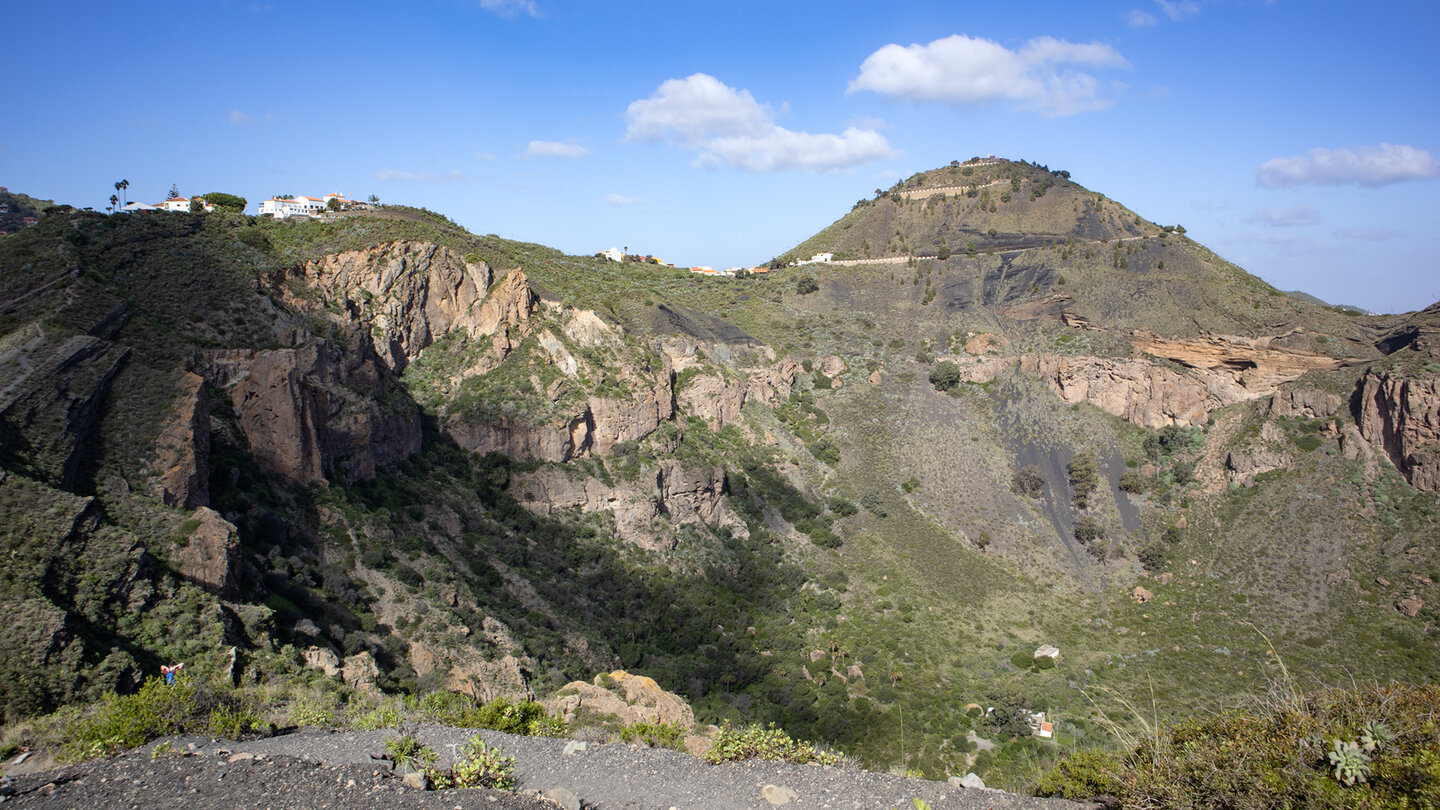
(1365, 166)
(728, 127)
(961, 70)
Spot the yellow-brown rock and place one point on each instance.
(634, 699)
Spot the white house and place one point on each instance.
(613, 254)
(182, 204)
(139, 206)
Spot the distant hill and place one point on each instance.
(18, 210)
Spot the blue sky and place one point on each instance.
(1300, 140)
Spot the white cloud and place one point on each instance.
(729, 127)
(555, 149)
(1179, 9)
(239, 119)
(454, 176)
(691, 110)
(1140, 19)
(959, 70)
(620, 202)
(1366, 166)
(1289, 216)
(510, 8)
(1370, 234)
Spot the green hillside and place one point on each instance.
(851, 507)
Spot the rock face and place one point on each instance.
(1136, 390)
(210, 555)
(316, 408)
(470, 674)
(412, 293)
(719, 400)
(1401, 417)
(51, 391)
(1252, 364)
(1304, 403)
(1244, 463)
(632, 699)
(673, 495)
(182, 450)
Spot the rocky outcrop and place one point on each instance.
(1400, 416)
(552, 490)
(1139, 391)
(1254, 365)
(691, 495)
(1304, 403)
(469, 673)
(719, 400)
(630, 699)
(313, 409)
(1244, 463)
(412, 293)
(673, 495)
(182, 450)
(51, 391)
(209, 554)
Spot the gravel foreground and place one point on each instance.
(316, 770)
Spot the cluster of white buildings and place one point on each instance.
(285, 207)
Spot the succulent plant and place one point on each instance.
(1351, 764)
(1376, 735)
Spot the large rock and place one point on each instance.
(675, 495)
(182, 450)
(634, 699)
(209, 556)
(411, 292)
(316, 408)
(468, 672)
(1137, 390)
(1304, 402)
(1400, 416)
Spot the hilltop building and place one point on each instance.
(285, 207)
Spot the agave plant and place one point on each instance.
(1351, 764)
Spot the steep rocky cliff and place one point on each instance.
(1401, 417)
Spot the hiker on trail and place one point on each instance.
(169, 670)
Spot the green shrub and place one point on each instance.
(654, 735)
(232, 722)
(1082, 775)
(1294, 750)
(841, 507)
(755, 742)
(945, 375)
(1084, 475)
(874, 503)
(127, 721)
(526, 718)
(407, 753)
(1027, 481)
(476, 765)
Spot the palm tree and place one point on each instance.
(374, 200)
(120, 187)
(113, 201)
